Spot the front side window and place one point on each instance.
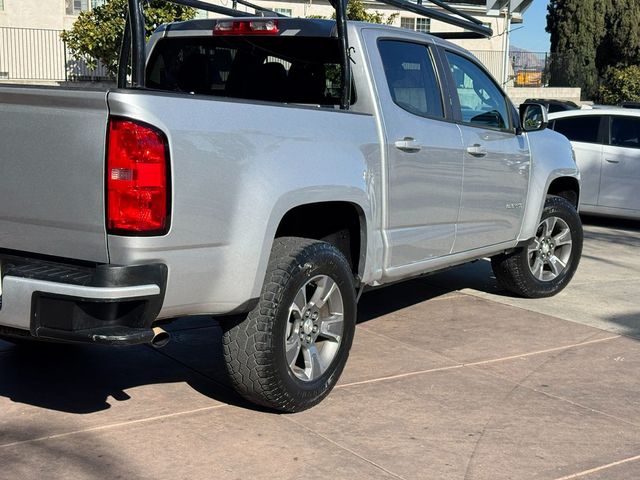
(481, 101)
(625, 132)
(579, 129)
(411, 77)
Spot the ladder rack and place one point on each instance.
(133, 45)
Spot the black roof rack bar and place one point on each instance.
(456, 35)
(209, 7)
(340, 7)
(136, 23)
(455, 11)
(463, 20)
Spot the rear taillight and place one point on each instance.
(137, 179)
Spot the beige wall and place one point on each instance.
(49, 14)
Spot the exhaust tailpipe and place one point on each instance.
(160, 337)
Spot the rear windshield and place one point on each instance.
(277, 69)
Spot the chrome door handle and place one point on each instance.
(408, 144)
(477, 150)
(611, 160)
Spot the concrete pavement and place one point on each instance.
(448, 379)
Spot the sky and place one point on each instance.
(530, 35)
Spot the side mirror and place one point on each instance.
(533, 117)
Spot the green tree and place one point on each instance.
(577, 29)
(97, 34)
(620, 84)
(357, 11)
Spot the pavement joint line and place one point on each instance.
(112, 425)
(600, 468)
(475, 364)
(346, 449)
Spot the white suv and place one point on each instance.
(606, 142)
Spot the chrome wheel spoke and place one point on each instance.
(325, 288)
(538, 268)
(293, 350)
(556, 265)
(300, 302)
(331, 327)
(562, 238)
(548, 225)
(313, 362)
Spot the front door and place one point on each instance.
(620, 181)
(496, 160)
(584, 131)
(424, 164)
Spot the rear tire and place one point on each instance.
(289, 352)
(545, 266)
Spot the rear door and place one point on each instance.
(496, 160)
(620, 182)
(52, 150)
(586, 135)
(423, 152)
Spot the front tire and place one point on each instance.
(547, 264)
(289, 352)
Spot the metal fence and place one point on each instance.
(40, 55)
(525, 69)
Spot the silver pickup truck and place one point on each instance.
(234, 183)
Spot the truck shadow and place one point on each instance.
(82, 379)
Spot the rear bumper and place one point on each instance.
(106, 304)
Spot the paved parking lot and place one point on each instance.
(449, 378)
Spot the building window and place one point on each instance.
(74, 7)
(284, 11)
(1, 5)
(406, 22)
(423, 25)
(417, 24)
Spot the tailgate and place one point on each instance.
(52, 148)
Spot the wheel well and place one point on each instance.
(340, 223)
(567, 188)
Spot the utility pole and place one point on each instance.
(505, 45)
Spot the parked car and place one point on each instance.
(234, 178)
(606, 142)
(553, 105)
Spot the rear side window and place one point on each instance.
(579, 129)
(625, 132)
(278, 69)
(411, 77)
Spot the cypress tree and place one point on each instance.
(577, 29)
